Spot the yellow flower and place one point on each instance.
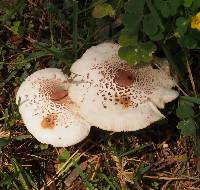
(196, 21)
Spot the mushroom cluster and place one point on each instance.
(101, 90)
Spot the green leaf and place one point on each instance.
(182, 25)
(150, 27)
(44, 146)
(163, 7)
(195, 6)
(133, 16)
(64, 155)
(105, 177)
(173, 6)
(84, 177)
(102, 10)
(140, 171)
(15, 27)
(137, 53)
(146, 51)
(36, 55)
(188, 41)
(184, 111)
(22, 137)
(4, 142)
(155, 14)
(21, 177)
(158, 36)
(195, 100)
(135, 6)
(125, 40)
(8, 179)
(188, 3)
(132, 23)
(129, 54)
(187, 127)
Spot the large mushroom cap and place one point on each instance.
(115, 97)
(48, 112)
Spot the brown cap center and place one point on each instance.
(58, 94)
(124, 78)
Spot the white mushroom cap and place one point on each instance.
(47, 111)
(115, 97)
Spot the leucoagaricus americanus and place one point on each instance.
(115, 97)
(48, 112)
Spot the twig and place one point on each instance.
(191, 77)
(176, 84)
(95, 169)
(170, 178)
(193, 188)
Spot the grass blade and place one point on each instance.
(75, 27)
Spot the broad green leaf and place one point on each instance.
(188, 3)
(165, 11)
(149, 26)
(195, 5)
(129, 54)
(188, 41)
(132, 23)
(184, 111)
(182, 25)
(173, 6)
(195, 100)
(135, 6)
(102, 10)
(137, 53)
(133, 15)
(155, 14)
(125, 40)
(187, 127)
(147, 50)
(158, 36)
(167, 7)
(163, 7)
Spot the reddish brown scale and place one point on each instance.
(49, 121)
(125, 101)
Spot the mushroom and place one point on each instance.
(116, 97)
(48, 112)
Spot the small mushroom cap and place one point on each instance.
(115, 97)
(47, 111)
